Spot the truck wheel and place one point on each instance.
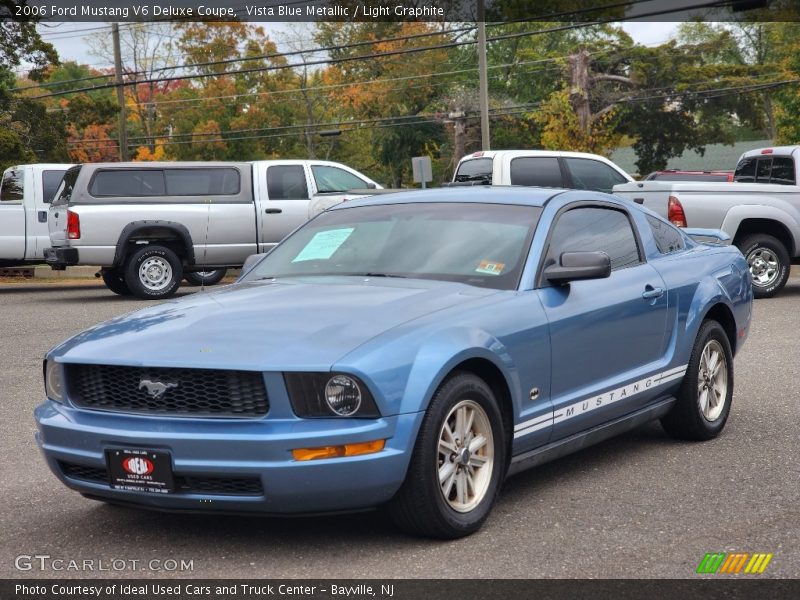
(458, 463)
(704, 398)
(114, 280)
(153, 272)
(769, 263)
(205, 277)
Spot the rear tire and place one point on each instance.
(704, 399)
(115, 281)
(458, 463)
(198, 278)
(153, 273)
(769, 263)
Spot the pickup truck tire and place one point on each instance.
(205, 277)
(115, 281)
(153, 272)
(704, 398)
(769, 263)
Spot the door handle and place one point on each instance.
(650, 293)
(273, 211)
(42, 216)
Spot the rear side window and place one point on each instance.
(475, 169)
(202, 182)
(50, 182)
(766, 169)
(287, 182)
(536, 171)
(746, 170)
(668, 238)
(593, 229)
(128, 182)
(334, 179)
(67, 185)
(12, 186)
(782, 171)
(590, 174)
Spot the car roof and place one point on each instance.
(779, 150)
(522, 195)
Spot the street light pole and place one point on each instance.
(123, 119)
(483, 82)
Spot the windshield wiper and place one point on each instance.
(378, 275)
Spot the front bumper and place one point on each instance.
(61, 257)
(212, 450)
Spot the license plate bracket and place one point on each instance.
(140, 470)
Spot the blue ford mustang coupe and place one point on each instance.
(408, 351)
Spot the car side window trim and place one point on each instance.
(540, 281)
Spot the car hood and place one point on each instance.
(270, 325)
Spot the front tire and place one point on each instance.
(115, 281)
(769, 263)
(198, 278)
(153, 272)
(458, 463)
(704, 399)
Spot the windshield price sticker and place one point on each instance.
(323, 244)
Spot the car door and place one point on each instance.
(607, 335)
(284, 193)
(12, 215)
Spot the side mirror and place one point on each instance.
(579, 265)
(249, 263)
(372, 186)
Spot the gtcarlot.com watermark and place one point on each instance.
(48, 563)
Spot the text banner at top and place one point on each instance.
(577, 11)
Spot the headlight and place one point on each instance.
(329, 395)
(54, 380)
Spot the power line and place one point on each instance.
(708, 4)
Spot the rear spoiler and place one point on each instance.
(707, 236)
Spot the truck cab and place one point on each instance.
(26, 192)
(540, 168)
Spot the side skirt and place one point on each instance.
(576, 442)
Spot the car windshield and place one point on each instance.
(474, 243)
(476, 169)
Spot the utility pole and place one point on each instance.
(123, 118)
(483, 81)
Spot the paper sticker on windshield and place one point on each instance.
(323, 244)
(487, 267)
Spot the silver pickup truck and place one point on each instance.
(150, 224)
(759, 210)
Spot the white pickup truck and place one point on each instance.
(150, 224)
(541, 168)
(25, 195)
(759, 210)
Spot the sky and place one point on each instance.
(70, 39)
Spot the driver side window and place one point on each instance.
(591, 229)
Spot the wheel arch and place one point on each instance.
(722, 314)
(173, 235)
(765, 226)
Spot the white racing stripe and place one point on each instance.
(594, 402)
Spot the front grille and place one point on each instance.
(184, 484)
(238, 486)
(74, 471)
(185, 392)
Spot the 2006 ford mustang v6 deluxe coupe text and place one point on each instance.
(408, 351)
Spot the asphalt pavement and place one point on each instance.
(641, 505)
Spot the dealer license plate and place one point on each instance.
(137, 470)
